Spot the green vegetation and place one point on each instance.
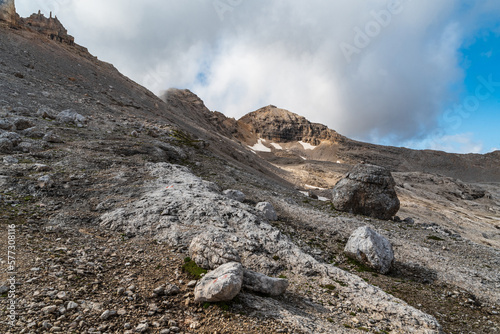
(329, 286)
(359, 266)
(433, 237)
(341, 283)
(276, 258)
(192, 269)
(330, 319)
(282, 276)
(223, 306)
(185, 138)
(347, 326)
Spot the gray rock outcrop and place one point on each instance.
(210, 251)
(71, 116)
(221, 284)
(8, 11)
(371, 248)
(234, 194)
(176, 215)
(268, 210)
(258, 282)
(367, 190)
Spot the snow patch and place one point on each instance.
(305, 193)
(323, 199)
(303, 158)
(313, 187)
(307, 146)
(259, 147)
(277, 146)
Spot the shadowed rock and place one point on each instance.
(367, 190)
(258, 282)
(234, 194)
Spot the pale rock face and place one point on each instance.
(70, 116)
(371, 248)
(268, 210)
(367, 190)
(234, 194)
(210, 250)
(258, 282)
(222, 284)
(7, 11)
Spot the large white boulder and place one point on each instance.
(371, 248)
(221, 284)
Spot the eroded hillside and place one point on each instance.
(107, 185)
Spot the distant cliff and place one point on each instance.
(8, 13)
(51, 27)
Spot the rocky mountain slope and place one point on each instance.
(282, 127)
(104, 186)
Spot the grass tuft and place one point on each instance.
(191, 268)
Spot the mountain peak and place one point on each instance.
(281, 125)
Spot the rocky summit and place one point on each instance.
(129, 213)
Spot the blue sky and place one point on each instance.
(394, 72)
(482, 59)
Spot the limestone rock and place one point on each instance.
(6, 145)
(209, 251)
(71, 116)
(22, 124)
(367, 190)
(46, 112)
(12, 136)
(51, 137)
(221, 284)
(258, 282)
(50, 27)
(8, 12)
(268, 210)
(371, 248)
(5, 124)
(234, 194)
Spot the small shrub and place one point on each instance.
(359, 266)
(276, 258)
(433, 237)
(341, 283)
(223, 306)
(191, 268)
(282, 276)
(329, 286)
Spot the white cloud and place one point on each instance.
(457, 143)
(287, 53)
